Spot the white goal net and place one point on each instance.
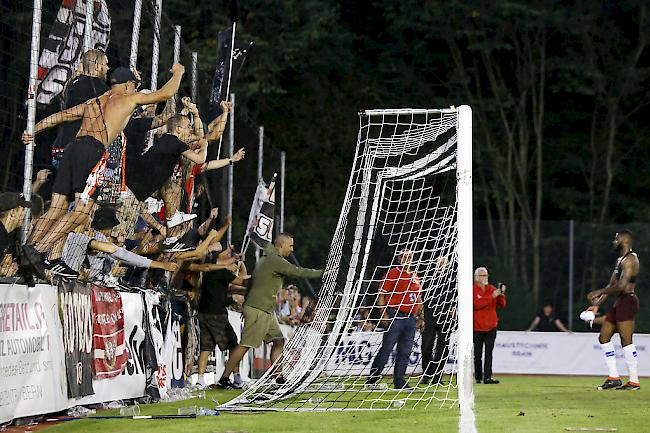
(392, 326)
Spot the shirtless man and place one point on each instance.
(102, 119)
(620, 318)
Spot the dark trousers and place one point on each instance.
(482, 370)
(401, 331)
(435, 349)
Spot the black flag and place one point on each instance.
(225, 74)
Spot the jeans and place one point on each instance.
(401, 331)
(483, 371)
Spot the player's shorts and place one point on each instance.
(624, 309)
(216, 331)
(259, 326)
(79, 158)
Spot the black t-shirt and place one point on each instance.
(80, 90)
(546, 324)
(136, 136)
(156, 166)
(214, 291)
(5, 240)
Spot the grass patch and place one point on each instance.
(518, 404)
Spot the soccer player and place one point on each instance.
(620, 318)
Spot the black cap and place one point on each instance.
(122, 75)
(105, 218)
(10, 200)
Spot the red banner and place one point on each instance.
(110, 354)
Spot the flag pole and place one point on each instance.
(232, 115)
(155, 52)
(260, 165)
(31, 110)
(177, 58)
(88, 25)
(231, 147)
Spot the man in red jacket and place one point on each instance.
(486, 300)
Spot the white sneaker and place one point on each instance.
(179, 218)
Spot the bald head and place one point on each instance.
(94, 63)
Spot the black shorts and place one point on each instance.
(216, 331)
(79, 158)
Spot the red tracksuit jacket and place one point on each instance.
(485, 308)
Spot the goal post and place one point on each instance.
(409, 195)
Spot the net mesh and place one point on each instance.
(393, 265)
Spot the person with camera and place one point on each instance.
(486, 300)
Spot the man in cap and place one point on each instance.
(102, 120)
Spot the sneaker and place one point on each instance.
(170, 241)
(630, 386)
(60, 268)
(35, 260)
(179, 218)
(611, 384)
(372, 380)
(178, 247)
(224, 383)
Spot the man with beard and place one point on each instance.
(620, 318)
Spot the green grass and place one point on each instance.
(518, 404)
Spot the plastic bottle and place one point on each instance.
(204, 411)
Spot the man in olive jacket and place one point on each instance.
(260, 321)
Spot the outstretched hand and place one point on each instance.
(170, 266)
(42, 175)
(239, 155)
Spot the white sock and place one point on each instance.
(237, 378)
(630, 360)
(610, 359)
(201, 380)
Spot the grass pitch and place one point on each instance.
(518, 404)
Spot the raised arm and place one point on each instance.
(162, 118)
(69, 115)
(218, 125)
(220, 163)
(198, 156)
(190, 108)
(165, 92)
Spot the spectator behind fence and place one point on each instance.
(102, 120)
(12, 213)
(486, 300)
(260, 321)
(98, 248)
(88, 85)
(547, 321)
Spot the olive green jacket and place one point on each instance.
(267, 278)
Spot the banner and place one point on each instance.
(130, 383)
(518, 352)
(76, 314)
(110, 353)
(31, 352)
(223, 79)
(261, 217)
(63, 48)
